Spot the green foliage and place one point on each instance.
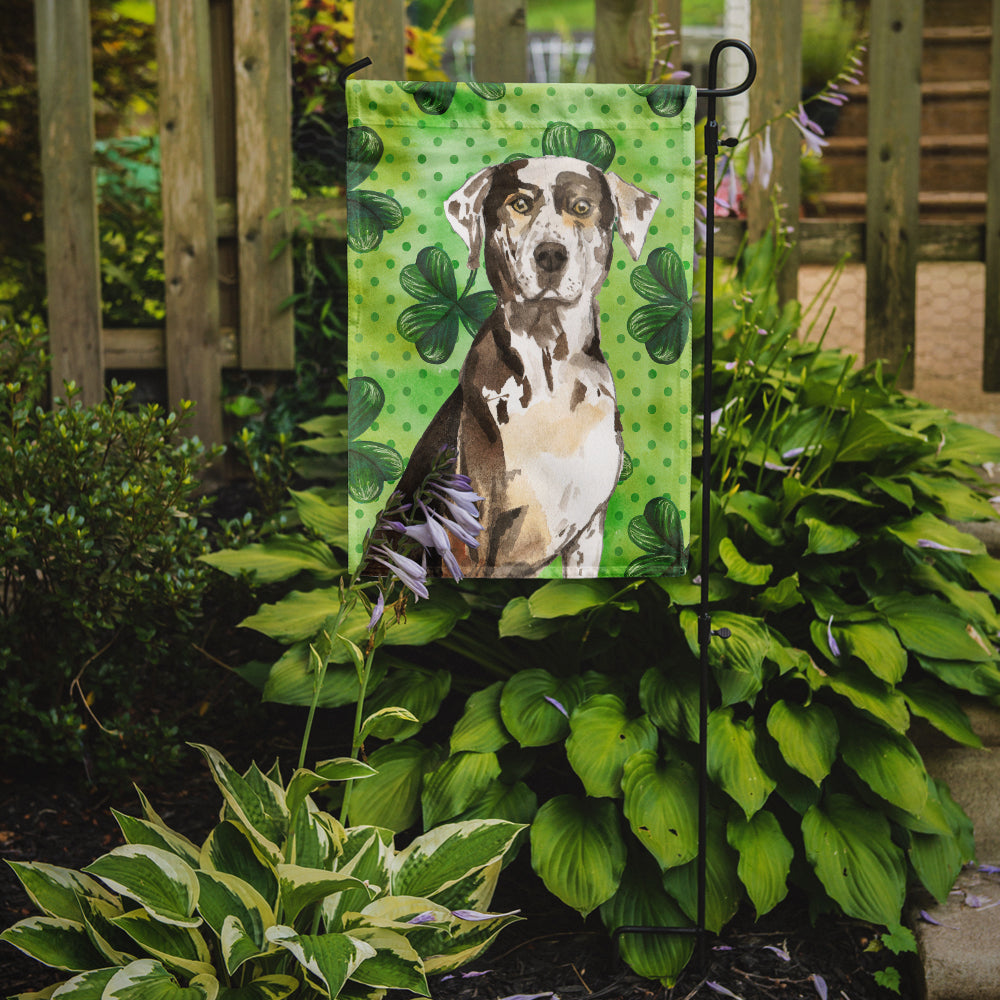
(101, 587)
(280, 899)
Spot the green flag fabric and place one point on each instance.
(520, 263)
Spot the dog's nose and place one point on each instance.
(551, 257)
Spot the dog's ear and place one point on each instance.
(464, 210)
(635, 209)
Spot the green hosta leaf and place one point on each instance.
(956, 500)
(865, 692)
(369, 215)
(828, 539)
(931, 628)
(664, 325)
(515, 803)
(558, 598)
(301, 887)
(230, 850)
(418, 690)
(807, 736)
(528, 710)
(937, 857)
(147, 979)
(330, 959)
(391, 798)
(760, 512)
(54, 941)
(370, 466)
(850, 847)
(162, 883)
(724, 891)
(364, 150)
(671, 700)
(56, 891)
(927, 528)
(986, 572)
(752, 574)
(732, 761)
(602, 738)
(328, 520)
(274, 987)
(642, 902)
(592, 145)
(876, 646)
(661, 798)
(869, 436)
(517, 620)
(976, 678)
(456, 784)
(261, 810)
(738, 661)
(440, 858)
(783, 595)
(765, 859)
(395, 964)
(292, 679)
(936, 704)
(180, 948)
(578, 851)
(279, 558)
(481, 728)
(888, 763)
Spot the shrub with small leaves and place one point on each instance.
(99, 575)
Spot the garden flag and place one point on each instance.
(520, 265)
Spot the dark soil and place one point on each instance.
(551, 952)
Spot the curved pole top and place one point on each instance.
(713, 69)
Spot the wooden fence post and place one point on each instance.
(776, 34)
(991, 332)
(380, 34)
(72, 255)
(190, 251)
(262, 60)
(893, 183)
(622, 40)
(501, 40)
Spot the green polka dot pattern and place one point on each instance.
(415, 305)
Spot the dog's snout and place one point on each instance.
(551, 257)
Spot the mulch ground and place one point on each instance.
(550, 953)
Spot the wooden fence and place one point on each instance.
(226, 161)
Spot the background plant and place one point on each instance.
(101, 587)
(280, 899)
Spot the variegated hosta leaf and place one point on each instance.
(54, 941)
(765, 858)
(141, 831)
(56, 891)
(807, 736)
(395, 964)
(516, 803)
(642, 902)
(230, 849)
(98, 915)
(392, 798)
(732, 760)
(315, 838)
(851, 849)
(441, 857)
(149, 980)
(475, 891)
(456, 784)
(274, 987)
(177, 947)
(158, 880)
(367, 854)
(578, 851)
(467, 940)
(301, 887)
(86, 986)
(225, 897)
(255, 800)
(481, 727)
(661, 806)
(602, 737)
(329, 959)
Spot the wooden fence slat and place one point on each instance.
(991, 332)
(892, 215)
(72, 256)
(776, 36)
(261, 56)
(501, 40)
(622, 39)
(380, 34)
(190, 252)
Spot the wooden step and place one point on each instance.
(946, 105)
(947, 162)
(953, 206)
(956, 53)
(939, 13)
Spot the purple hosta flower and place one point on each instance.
(558, 705)
(719, 988)
(990, 869)
(475, 915)
(812, 134)
(760, 165)
(409, 572)
(531, 996)
(427, 917)
(820, 983)
(780, 952)
(461, 506)
(377, 611)
(831, 642)
(465, 975)
(927, 543)
(432, 536)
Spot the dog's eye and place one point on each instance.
(581, 207)
(521, 204)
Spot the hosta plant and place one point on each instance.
(279, 900)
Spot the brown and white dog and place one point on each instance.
(534, 418)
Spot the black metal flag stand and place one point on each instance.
(705, 631)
